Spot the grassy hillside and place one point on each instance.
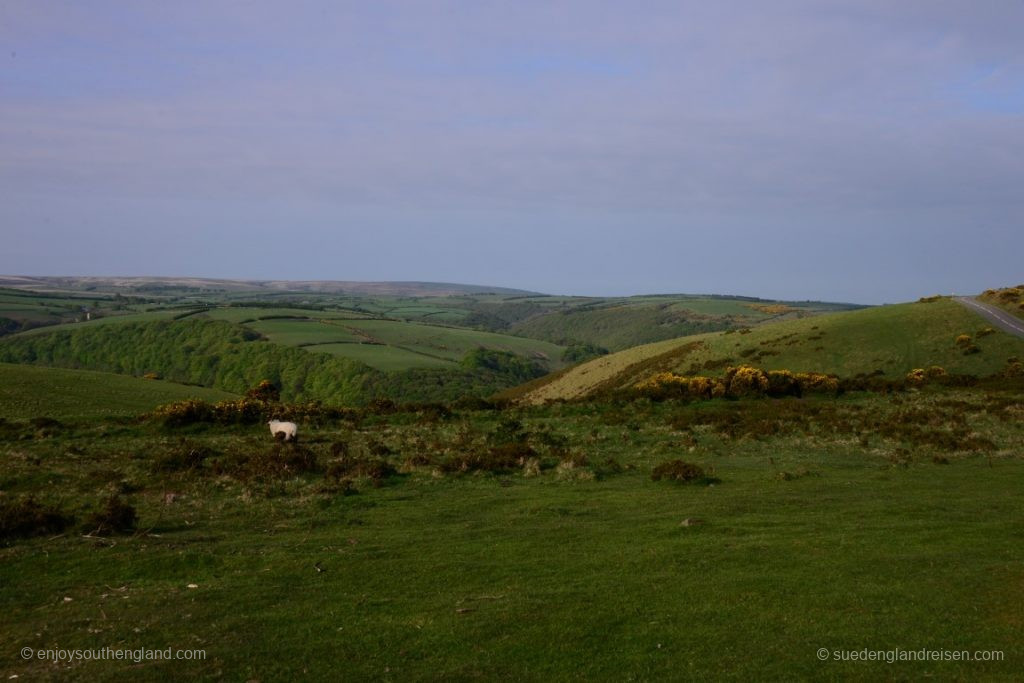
(618, 324)
(417, 345)
(28, 391)
(366, 552)
(890, 339)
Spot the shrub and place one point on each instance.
(1014, 368)
(377, 470)
(567, 470)
(279, 461)
(474, 403)
(668, 385)
(782, 383)
(817, 382)
(746, 381)
(265, 391)
(241, 411)
(115, 517)
(26, 518)
(509, 430)
(186, 455)
(678, 470)
(182, 413)
(382, 406)
(498, 459)
(662, 386)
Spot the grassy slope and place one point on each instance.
(29, 391)
(618, 324)
(894, 339)
(510, 578)
(396, 345)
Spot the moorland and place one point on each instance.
(529, 501)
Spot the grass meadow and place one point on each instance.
(530, 543)
(28, 392)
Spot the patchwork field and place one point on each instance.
(398, 345)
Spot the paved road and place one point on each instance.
(997, 316)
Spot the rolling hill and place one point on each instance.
(28, 391)
(887, 340)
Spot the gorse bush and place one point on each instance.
(244, 411)
(746, 381)
(737, 382)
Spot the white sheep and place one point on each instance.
(288, 429)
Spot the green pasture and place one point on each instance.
(28, 391)
(382, 357)
(805, 538)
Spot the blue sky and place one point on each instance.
(860, 151)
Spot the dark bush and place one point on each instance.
(26, 518)
(115, 517)
(184, 456)
(680, 471)
(474, 403)
(280, 461)
(506, 457)
(381, 406)
(377, 448)
(376, 469)
(45, 423)
(265, 391)
(508, 430)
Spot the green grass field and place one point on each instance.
(396, 345)
(381, 357)
(893, 339)
(29, 391)
(816, 533)
(293, 332)
(618, 324)
(247, 314)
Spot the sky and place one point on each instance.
(854, 151)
